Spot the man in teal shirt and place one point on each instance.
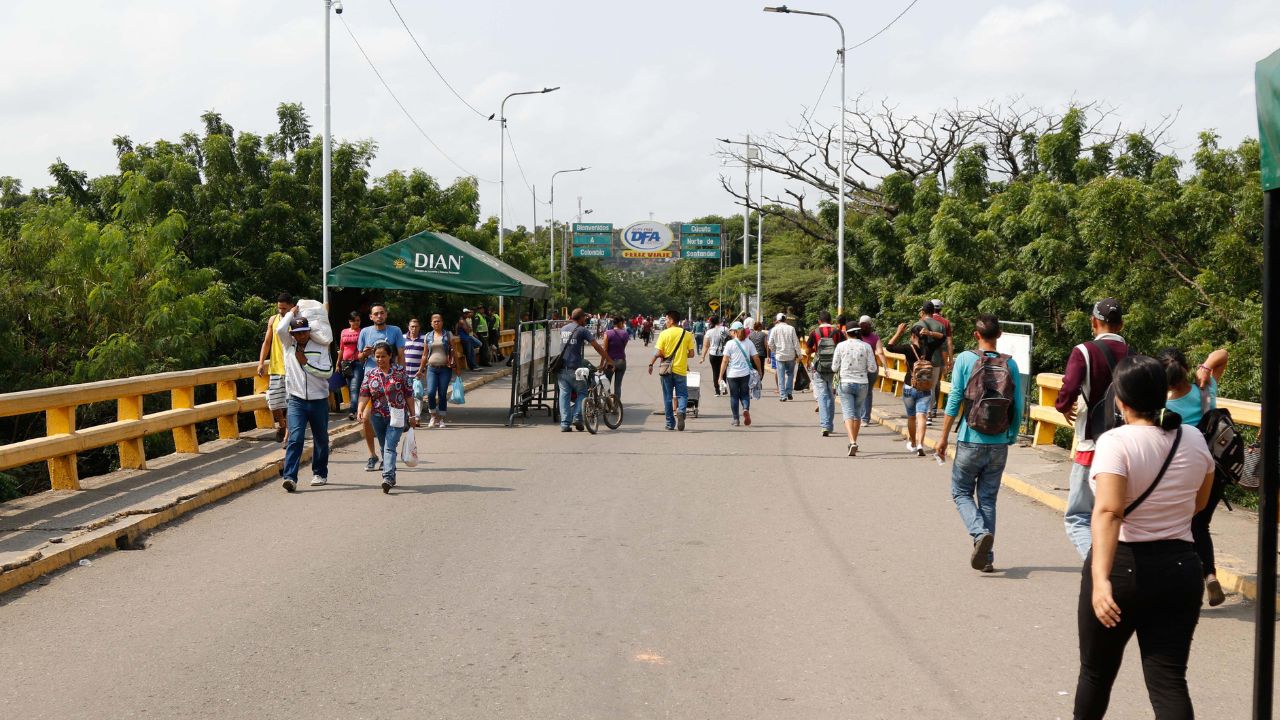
(980, 457)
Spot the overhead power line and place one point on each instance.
(405, 110)
(886, 27)
(433, 65)
(520, 167)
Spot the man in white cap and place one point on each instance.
(785, 346)
(307, 367)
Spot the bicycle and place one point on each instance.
(600, 402)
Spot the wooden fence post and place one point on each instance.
(63, 474)
(133, 455)
(184, 436)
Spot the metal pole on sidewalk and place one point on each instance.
(1268, 98)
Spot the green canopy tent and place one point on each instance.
(436, 262)
(440, 263)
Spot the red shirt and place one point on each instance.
(347, 344)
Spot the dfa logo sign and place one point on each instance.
(647, 236)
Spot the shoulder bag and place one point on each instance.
(664, 366)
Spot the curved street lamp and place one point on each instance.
(840, 212)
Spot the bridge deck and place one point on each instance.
(719, 572)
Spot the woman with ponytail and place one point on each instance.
(1191, 396)
(1150, 476)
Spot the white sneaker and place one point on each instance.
(910, 448)
(432, 422)
(318, 480)
(440, 423)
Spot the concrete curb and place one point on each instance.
(119, 532)
(1245, 585)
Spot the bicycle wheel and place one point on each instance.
(612, 412)
(591, 414)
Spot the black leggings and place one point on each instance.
(1158, 586)
(1200, 528)
(716, 361)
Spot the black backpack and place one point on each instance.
(989, 395)
(826, 351)
(1103, 416)
(1225, 444)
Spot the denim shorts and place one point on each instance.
(852, 397)
(917, 403)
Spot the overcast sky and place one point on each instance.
(646, 86)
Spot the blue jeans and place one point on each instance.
(1078, 518)
(852, 397)
(353, 385)
(916, 402)
(570, 408)
(469, 345)
(822, 390)
(786, 377)
(438, 389)
(389, 439)
(679, 384)
(976, 471)
(739, 393)
(874, 380)
(697, 343)
(302, 413)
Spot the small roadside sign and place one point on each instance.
(714, 304)
(592, 251)
(701, 241)
(702, 253)
(592, 239)
(593, 228)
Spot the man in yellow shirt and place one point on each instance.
(675, 346)
(271, 364)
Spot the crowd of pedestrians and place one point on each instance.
(1142, 488)
(391, 376)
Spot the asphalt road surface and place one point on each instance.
(524, 573)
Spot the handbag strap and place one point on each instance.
(1159, 476)
(679, 344)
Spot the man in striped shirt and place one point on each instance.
(415, 369)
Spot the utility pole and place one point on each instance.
(759, 241)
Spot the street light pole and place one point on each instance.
(840, 212)
(502, 169)
(553, 216)
(326, 172)
(502, 161)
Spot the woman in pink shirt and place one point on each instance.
(348, 364)
(1150, 476)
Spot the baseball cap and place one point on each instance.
(780, 317)
(736, 325)
(937, 304)
(299, 324)
(864, 319)
(466, 310)
(1108, 311)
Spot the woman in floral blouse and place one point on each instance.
(386, 399)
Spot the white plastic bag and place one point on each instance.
(318, 318)
(409, 448)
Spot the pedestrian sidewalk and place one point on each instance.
(43, 532)
(1040, 473)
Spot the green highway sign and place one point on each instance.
(704, 253)
(592, 251)
(593, 228)
(701, 241)
(592, 239)
(699, 229)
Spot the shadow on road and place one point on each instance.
(1022, 573)
(431, 489)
